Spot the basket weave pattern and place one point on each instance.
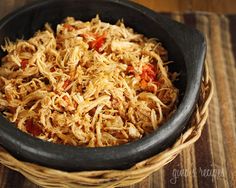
(47, 177)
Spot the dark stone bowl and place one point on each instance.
(186, 46)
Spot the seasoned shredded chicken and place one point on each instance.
(88, 84)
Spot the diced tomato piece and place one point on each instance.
(66, 83)
(149, 73)
(144, 76)
(52, 69)
(98, 43)
(33, 128)
(24, 63)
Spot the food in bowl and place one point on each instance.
(88, 84)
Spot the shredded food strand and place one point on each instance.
(88, 84)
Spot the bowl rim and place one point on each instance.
(24, 144)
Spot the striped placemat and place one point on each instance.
(211, 162)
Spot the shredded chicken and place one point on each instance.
(88, 84)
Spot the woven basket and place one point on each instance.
(47, 177)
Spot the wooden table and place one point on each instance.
(219, 6)
(211, 162)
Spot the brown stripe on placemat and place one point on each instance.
(225, 100)
(12, 179)
(158, 179)
(3, 175)
(28, 184)
(215, 130)
(154, 180)
(232, 21)
(188, 161)
(203, 159)
(144, 183)
(190, 19)
(173, 177)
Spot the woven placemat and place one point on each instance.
(47, 177)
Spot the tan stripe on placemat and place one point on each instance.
(145, 183)
(177, 17)
(158, 179)
(225, 99)
(229, 58)
(189, 167)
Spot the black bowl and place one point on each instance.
(186, 46)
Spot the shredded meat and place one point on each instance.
(87, 84)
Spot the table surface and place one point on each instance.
(219, 6)
(210, 162)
